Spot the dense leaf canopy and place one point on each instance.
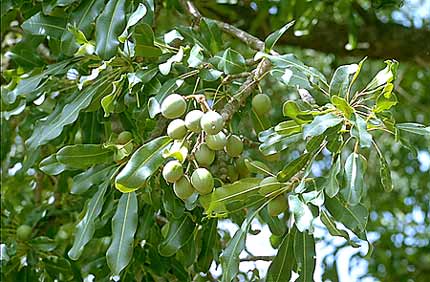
(133, 130)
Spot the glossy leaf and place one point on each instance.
(304, 252)
(384, 76)
(415, 128)
(302, 214)
(210, 238)
(51, 166)
(142, 164)
(272, 38)
(353, 217)
(93, 176)
(45, 25)
(86, 227)
(330, 224)
(84, 155)
(231, 62)
(342, 105)
(180, 231)
(341, 79)
(355, 167)
(275, 142)
(109, 26)
(282, 265)
(320, 124)
(124, 225)
(134, 18)
(331, 186)
(293, 167)
(360, 132)
(385, 173)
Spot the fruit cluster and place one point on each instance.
(204, 133)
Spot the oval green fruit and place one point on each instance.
(241, 167)
(217, 141)
(202, 181)
(232, 173)
(124, 137)
(176, 129)
(173, 106)
(173, 171)
(23, 232)
(204, 156)
(277, 206)
(182, 188)
(234, 146)
(212, 122)
(192, 120)
(261, 104)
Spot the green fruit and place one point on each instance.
(216, 142)
(183, 188)
(176, 129)
(202, 181)
(173, 106)
(124, 137)
(23, 232)
(212, 122)
(277, 206)
(61, 235)
(234, 146)
(241, 167)
(270, 182)
(204, 156)
(192, 120)
(232, 173)
(172, 171)
(261, 104)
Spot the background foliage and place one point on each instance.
(76, 73)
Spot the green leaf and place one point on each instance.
(304, 252)
(302, 214)
(275, 142)
(288, 128)
(320, 124)
(353, 217)
(144, 41)
(386, 75)
(166, 66)
(232, 62)
(415, 128)
(296, 111)
(329, 222)
(180, 231)
(385, 173)
(168, 87)
(210, 74)
(196, 56)
(341, 80)
(282, 265)
(210, 239)
(210, 35)
(355, 167)
(293, 167)
(276, 225)
(124, 225)
(86, 227)
(134, 18)
(142, 164)
(109, 26)
(271, 40)
(257, 167)
(342, 105)
(51, 166)
(386, 100)
(84, 155)
(359, 131)
(45, 25)
(331, 186)
(63, 115)
(93, 176)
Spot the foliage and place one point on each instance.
(102, 202)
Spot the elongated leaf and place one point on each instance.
(304, 252)
(168, 87)
(293, 167)
(45, 25)
(341, 80)
(353, 217)
(276, 225)
(331, 186)
(342, 105)
(385, 173)
(275, 142)
(124, 225)
(359, 131)
(64, 115)
(134, 18)
(93, 176)
(329, 222)
(355, 167)
(109, 26)
(257, 167)
(320, 124)
(272, 38)
(142, 164)
(51, 166)
(386, 100)
(386, 75)
(231, 62)
(210, 237)
(86, 227)
(230, 256)
(196, 56)
(415, 128)
(302, 214)
(84, 155)
(180, 231)
(282, 265)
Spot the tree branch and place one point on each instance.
(257, 258)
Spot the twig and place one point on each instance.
(257, 258)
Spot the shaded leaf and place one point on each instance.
(304, 252)
(320, 124)
(84, 155)
(93, 176)
(282, 265)
(353, 217)
(272, 38)
(180, 231)
(331, 186)
(355, 167)
(359, 131)
(293, 167)
(415, 128)
(231, 62)
(341, 79)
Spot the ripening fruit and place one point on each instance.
(212, 122)
(172, 171)
(202, 181)
(192, 120)
(204, 156)
(277, 206)
(234, 146)
(124, 137)
(261, 104)
(183, 188)
(176, 129)
(173, 106)
(23, 232)
(217, 141)
(241, 167)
